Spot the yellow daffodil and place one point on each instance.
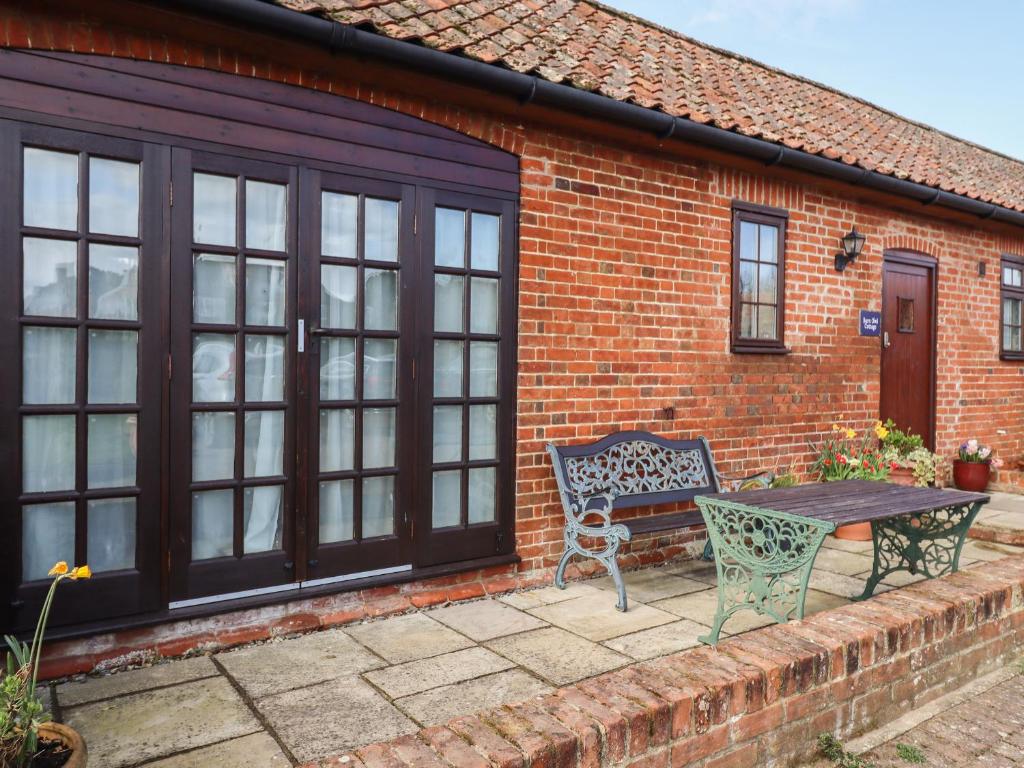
(880, 431)
(59, 569)
(850, 434)
(836, 427)
(81, 572)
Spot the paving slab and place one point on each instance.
(535, 598)
(840, 585)
(333, 717)
(558, 656)
(698, 570)
(439, 705)
(151, 724)
(823, 601)
(258, 749)
(424, 674)
(847, 545)
(134, 680)
(486, 619)
(297, 662)
(406, 638)
(987, 550)
(1010, 502)
(595, 616)
(658, 641)
(839, 561)
(700, 607)
(652, 584)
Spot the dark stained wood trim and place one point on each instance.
(762, 214)
(1009, 292)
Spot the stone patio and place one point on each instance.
(299, 699)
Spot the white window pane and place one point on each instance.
(381, 298)
(748, 240)
(446, 506)
(449, 238)
(378, 506)
(767, 288)
(337, 368)
(48, 453)
(51, 189)
(113, 197)
(337, 296)
(748, 281)
(214, 209)
(213, 524)
(213, 446)
(336, 511)
(264, 368)
(264, 292)
(213, 295)
(1012, 338)
(265, 215)
(262, 518)
(485, 241)
(50, 277)
(47, 537)
(49, 365)
(447, 433)
(213, 368)
(447, 369)
(449, 294)
(483, 369)
(768, 250)
(337, 439)
(380, 232)
(1011, 311)
(113, 447)
(379, 368)
(484, 318)
(111, 539)
(339, 220)
(748, 319)
(766, 322)
(113, 366)
(264, 444)
(113, 282)
(483, 430)
(481, 495)
(378, 437)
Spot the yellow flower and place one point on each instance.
(850, 434)
(81, 572)
(59, 569)
(836, 427)
(880, 431)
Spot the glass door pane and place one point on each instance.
(234, 247)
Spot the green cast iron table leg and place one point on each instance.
(763, 559)
(928, 543)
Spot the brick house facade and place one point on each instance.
(624, 293)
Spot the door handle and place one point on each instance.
(885, 340)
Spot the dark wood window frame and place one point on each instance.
(777, 217)
(1010, 292)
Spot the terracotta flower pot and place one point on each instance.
(70, 738)
(854, 532)
(971, 475)
(902, 476)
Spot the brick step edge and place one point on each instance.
(992, 533)
(758, 699)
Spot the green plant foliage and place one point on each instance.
(910, 754)
(832, 749)
(903, 443)
(842, 456)
(787, 480)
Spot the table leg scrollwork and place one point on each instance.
(763, 558)
(928, 543)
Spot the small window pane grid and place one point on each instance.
(240, 309)
(80, 328)
(358, 453)
(1012, 302)
(466, 339)
(758, 280)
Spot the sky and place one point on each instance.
(957, 66)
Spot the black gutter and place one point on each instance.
(337, 37)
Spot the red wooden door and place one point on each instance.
(908, 344)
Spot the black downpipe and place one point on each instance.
(337, 37)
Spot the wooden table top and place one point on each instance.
(851, 501)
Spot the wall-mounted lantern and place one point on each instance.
(853, 244)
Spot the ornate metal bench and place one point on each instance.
(629, 469)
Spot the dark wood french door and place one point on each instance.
(908, 343)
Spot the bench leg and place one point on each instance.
(612, 536)
(928, 543)
(763, 560)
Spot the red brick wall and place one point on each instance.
(625, 278)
